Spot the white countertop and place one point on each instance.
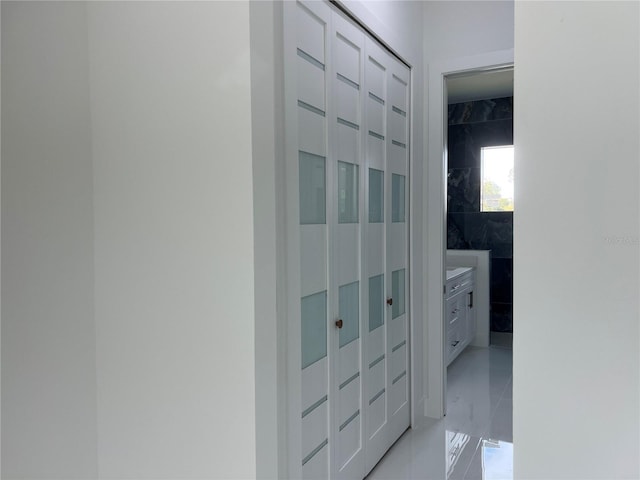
(453, 272)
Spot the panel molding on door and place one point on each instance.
(314, 164)
(376, 352)
(397, 248)
(347, 77)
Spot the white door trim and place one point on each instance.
(434, 229)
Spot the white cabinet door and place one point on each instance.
(456, 325)
(460, 315)
(471, 314)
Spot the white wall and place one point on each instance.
(267, 91)
(455, 29)
(127, 223)
(576, 257)
(171, 116)
(48, 335)
(395, 22)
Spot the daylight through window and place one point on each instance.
(496, 192)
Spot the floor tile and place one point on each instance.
(419, 454)
(474, 470)
(502, 421)
(493, 461)
(508, 392)
(473, 441)
(460, 456)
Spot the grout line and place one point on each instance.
(500, 399)
(504, 390)
(475, 452)
(478, 448)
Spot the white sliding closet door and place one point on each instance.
(397, 220)
(386, 342)
(345, 135)
(348, 100)
(314, 182)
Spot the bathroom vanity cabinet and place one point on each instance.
(460, 314)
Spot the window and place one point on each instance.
(496, 188)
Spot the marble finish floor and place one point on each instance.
(474, 440)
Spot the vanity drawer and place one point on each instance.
(459, 283)
(454, 310)
(454, 342)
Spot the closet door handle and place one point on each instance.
(471, 299)
(339, 323)
(389, 301)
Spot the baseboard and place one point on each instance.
(502, 339)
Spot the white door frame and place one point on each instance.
(435, 227)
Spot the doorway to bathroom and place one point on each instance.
(479, 176)
(479, 185)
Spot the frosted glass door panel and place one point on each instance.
(376, 302)
(312, 189)
(376, 196)
(397, 198)
(398, 293)
(347, 192)
(349, 308)
(314, 328)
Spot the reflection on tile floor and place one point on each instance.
(474, 440)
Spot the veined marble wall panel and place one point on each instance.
(473, 125)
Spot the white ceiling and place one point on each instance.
(480, 86)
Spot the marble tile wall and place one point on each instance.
(473, 125)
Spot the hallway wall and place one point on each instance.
(171, 119)
(577, 227)
(127, 241)
(465, 28)
(48, 332)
